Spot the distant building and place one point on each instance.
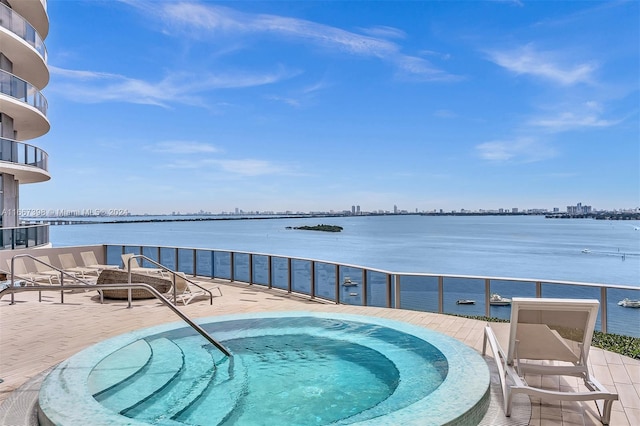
(395, 209)
(353, 210)
(514, 210)
(578, 209)
(357, 210)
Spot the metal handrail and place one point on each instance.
(173, 274)
(129, 286)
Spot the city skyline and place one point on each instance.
(306, 106)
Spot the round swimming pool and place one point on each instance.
(294, 368)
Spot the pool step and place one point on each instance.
(156, 374)
(224, 395)
(119, 366)
(188, 385)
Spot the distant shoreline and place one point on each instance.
(89, 220)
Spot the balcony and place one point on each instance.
(25, 104)
(22, 44)
(24, 237)
(35, 12)
(28, 163)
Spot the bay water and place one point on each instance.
(527, 247)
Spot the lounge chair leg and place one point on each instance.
(606, 411)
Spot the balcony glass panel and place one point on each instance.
(509, 289)
(21, 153)
(619, 323)
(15, 23)
(222, 264)
(241, 267)
(204, 263)
(377, 289)
(301, 276)
(325, 280)
(185, 261)
(351, 285)
(574, 292)
(456, 289)
(114, 255)
(260, 269)
(280, 272)
(167, 259)
(419, 293)
(15, 87)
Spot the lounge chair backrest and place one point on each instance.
(67, 261)
(18, 267)
(538, 325)
(182, 284)
(41, 267)
(133, 263)
(89, 258)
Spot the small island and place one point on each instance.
(324, 228)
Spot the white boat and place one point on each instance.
(348, 283)
(465, 302)
(498, 300)
(586, 251)
(629, 303)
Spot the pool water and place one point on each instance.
(287, 368)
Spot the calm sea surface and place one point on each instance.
(529, 247)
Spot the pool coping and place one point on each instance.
(467, 383)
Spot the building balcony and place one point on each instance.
(24, 47)
(28, 163)
(25, 104)
(35, 12)
(24, 237)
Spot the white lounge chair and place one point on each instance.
(90, 261)
(43, 268)
(547, 337)
(187, 290)
(131, 262)
(20, 271)
(69, 265)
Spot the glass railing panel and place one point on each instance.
(114, 255)
(566, 291)
(241, 267)
(301, 276)
(260, 269)
(222, 264)
(167, 258)
(325, 278)
(151, 253)
(21, 153)
(204, 263)
(622, 313)
(351, 285)
(508, 289)
(18, 25)
(377, 289)
(458, 290)
(31, 236)
(17, 88)
(20, 239)
(419, 293)
(185, 261)
(280, 272)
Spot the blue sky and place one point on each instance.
(161, 106)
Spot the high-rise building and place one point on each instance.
(24, 24)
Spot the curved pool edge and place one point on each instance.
(467, 384)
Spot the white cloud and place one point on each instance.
(569, 121)
(546, 65)
(181, 88)
(201, 20)
(184, 147)
(521, 150)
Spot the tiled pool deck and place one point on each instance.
(36, 336)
